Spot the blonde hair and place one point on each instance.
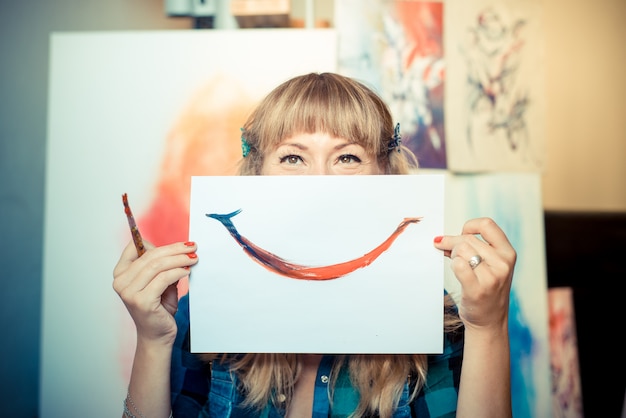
(327, 103)
(345, 108)
(378, 378)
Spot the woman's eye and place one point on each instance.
(291, 159)
(349, 158)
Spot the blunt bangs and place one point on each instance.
(322, 103)
(326, 103)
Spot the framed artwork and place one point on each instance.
(494, 102)
(396, 47)
(460, 76)
(567, 399)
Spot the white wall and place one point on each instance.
(586, 116)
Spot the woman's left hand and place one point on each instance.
(484, 301)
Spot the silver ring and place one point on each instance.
(475, 261)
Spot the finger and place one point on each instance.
(160, 291)
(492, 276)
(467, 246)
(464, 274)
(488, 230)
(492, 260)
(160, 262)
(497, 240)
(461, 254)
(485, 235)
(129, 254)
(155, 262)
(464, 245)
(169, 299)
(442, 242)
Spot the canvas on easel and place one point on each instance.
(137, 113)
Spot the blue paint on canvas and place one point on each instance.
(513, 200)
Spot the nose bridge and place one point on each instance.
(320, 167)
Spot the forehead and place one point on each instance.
(316, 139)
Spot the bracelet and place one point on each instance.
(129, 414)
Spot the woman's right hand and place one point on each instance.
(147, 286)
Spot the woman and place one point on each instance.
(324, 124)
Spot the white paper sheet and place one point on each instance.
(392, 305)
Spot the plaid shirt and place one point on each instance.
(195, 385)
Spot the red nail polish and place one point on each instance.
(192, 255)
(438, 238)
(190, 243)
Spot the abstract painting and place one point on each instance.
(396, 47)
(513, 200)
(494, 102)
(567, 399)
(137, 113)
(463, 77)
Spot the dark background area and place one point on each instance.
(586, 251)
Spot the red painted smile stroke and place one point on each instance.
(295, 271)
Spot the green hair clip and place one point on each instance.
(395, 141)
(245, 147)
